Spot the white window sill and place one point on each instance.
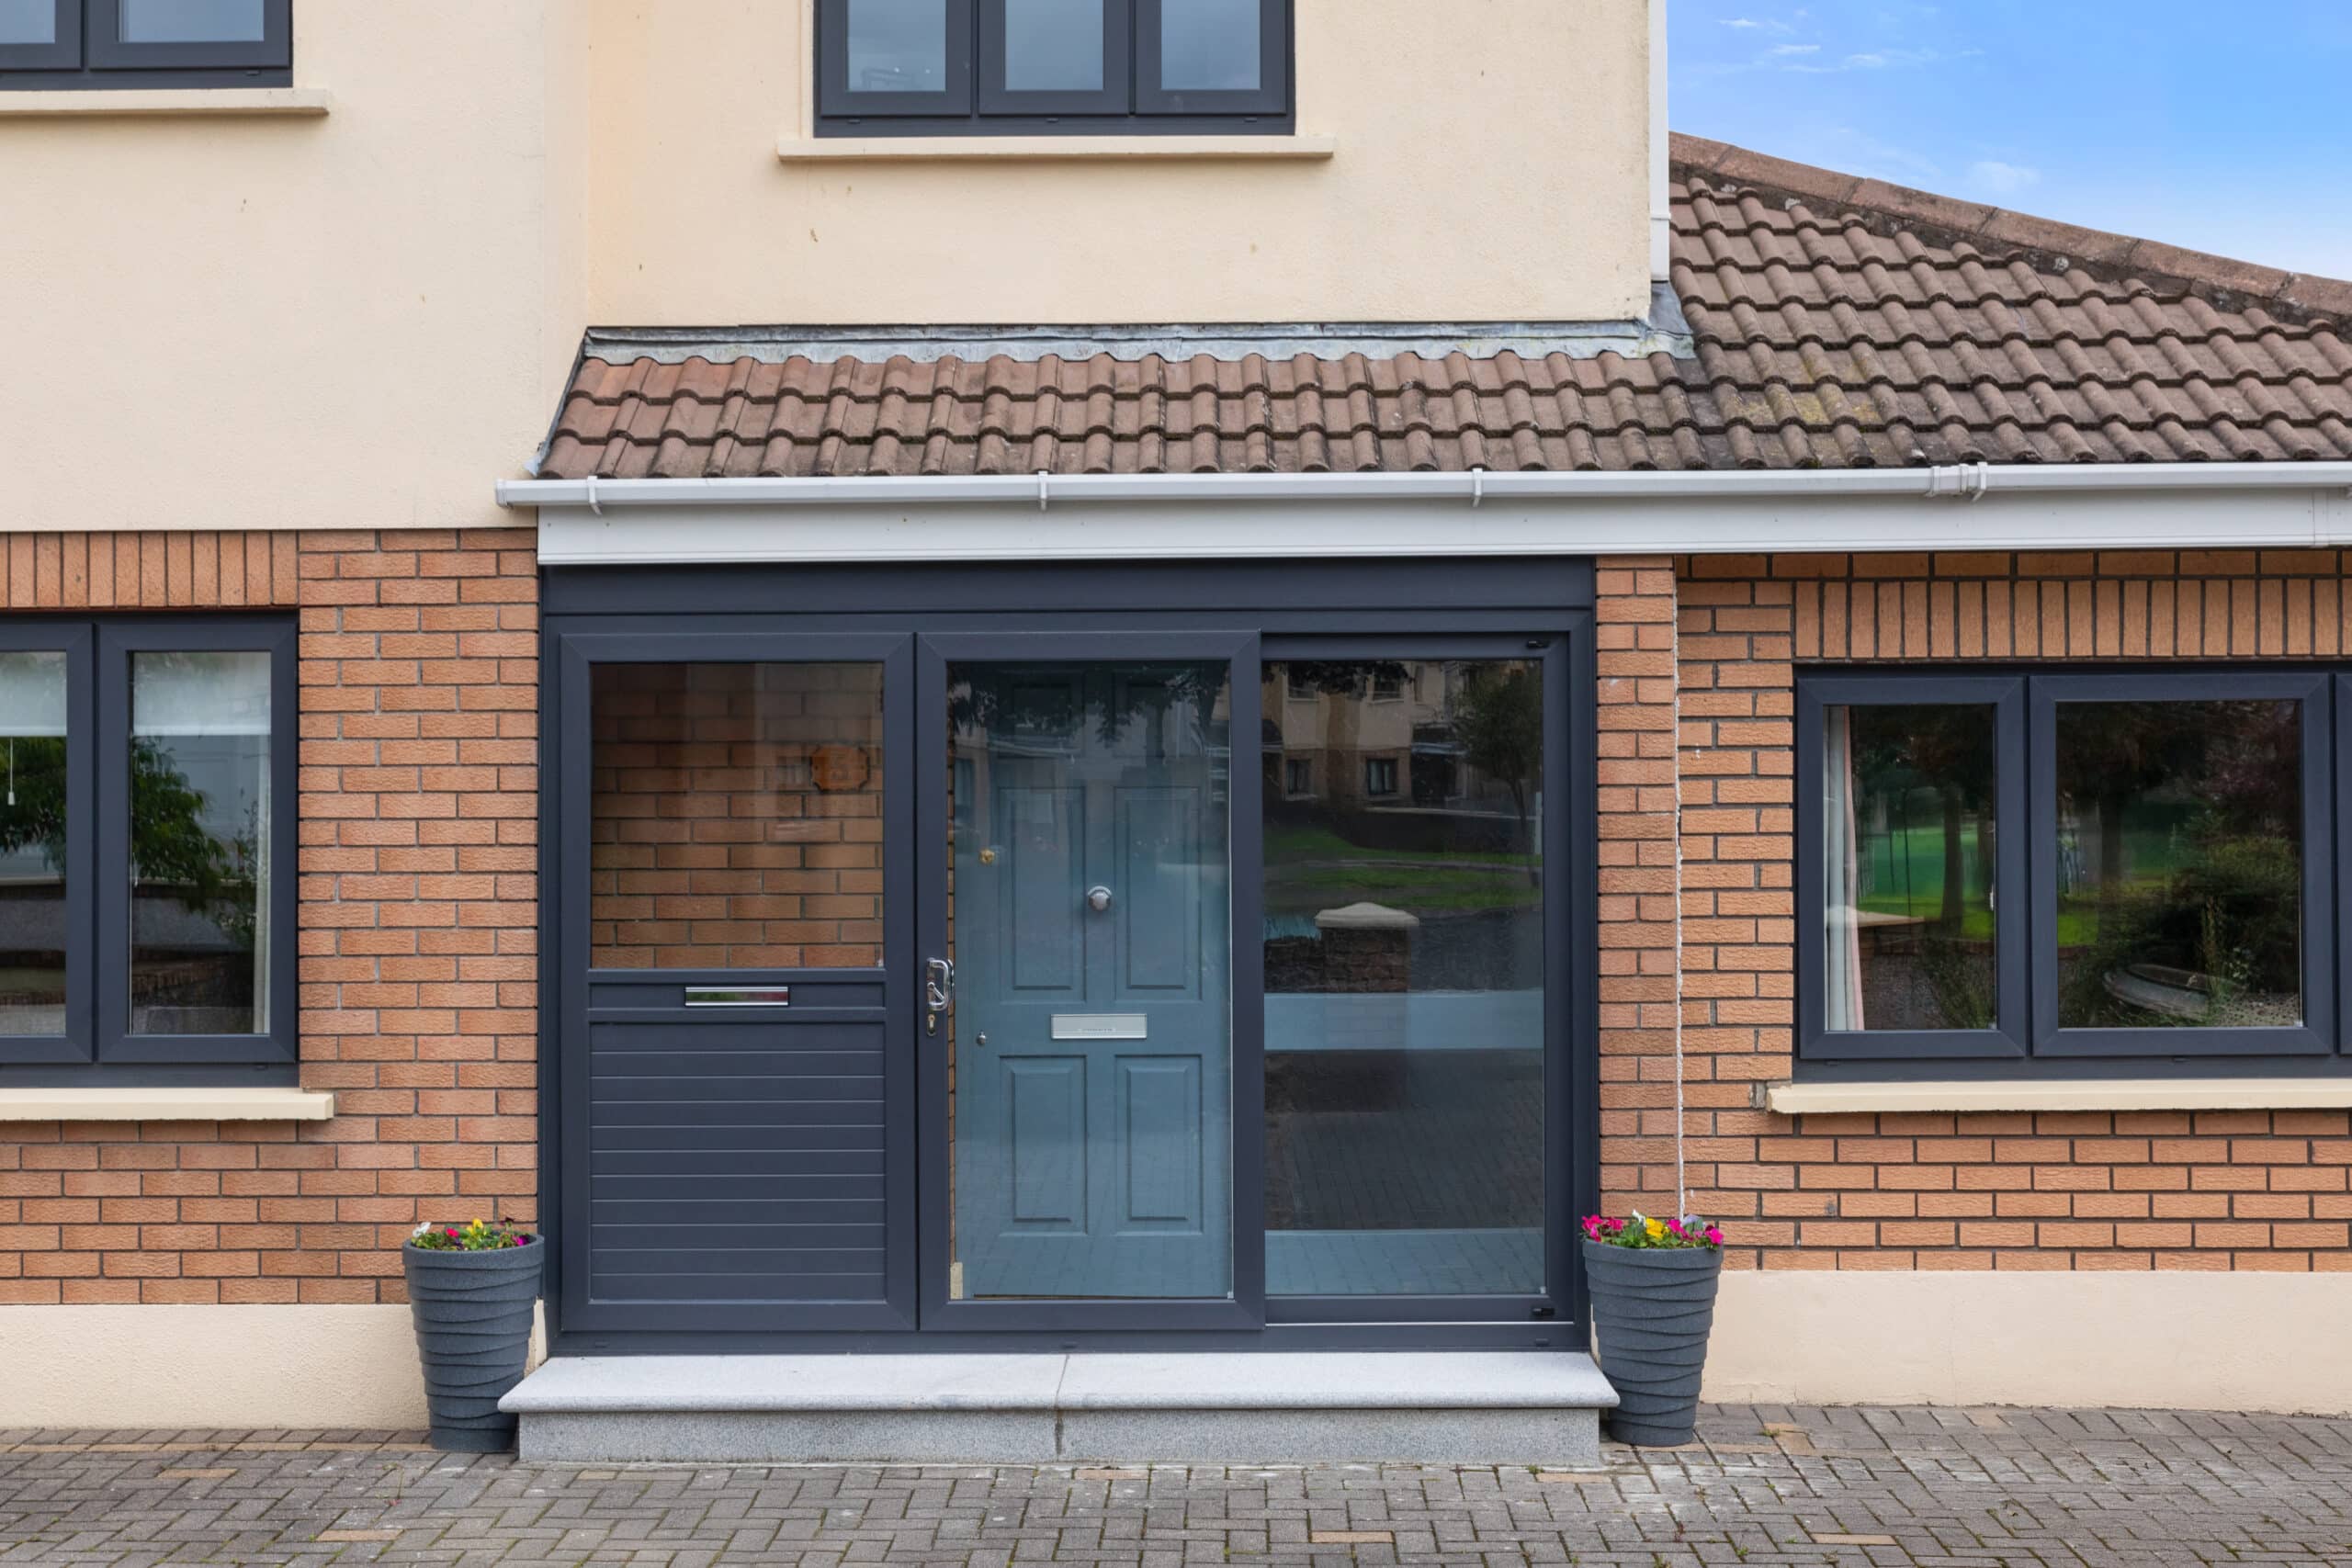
(1053, 148)
(127, 1104)
(169, 102)
(2100, 1094)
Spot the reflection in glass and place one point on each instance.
(200, 844)
(1209, 46)
(1091, 1028)
(32, 844)
(192, 21)
(1907, 828)
(1053, 46)
(1403, 970)
(735, 816)
(2180, 864)
(27, 21)
(898, 46)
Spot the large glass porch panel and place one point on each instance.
(1404, 990)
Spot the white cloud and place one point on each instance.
(1781, 51)
(1997, 179)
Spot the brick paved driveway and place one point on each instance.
(1765, 1486)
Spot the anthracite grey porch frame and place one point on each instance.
(1528, 607)
(585, 996)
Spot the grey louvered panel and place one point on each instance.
(735, 1160)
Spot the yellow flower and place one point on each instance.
(1657, 1229)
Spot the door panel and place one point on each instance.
(738, 1069)
(1092, 1027)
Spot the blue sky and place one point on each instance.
(2223, 127)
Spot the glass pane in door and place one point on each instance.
(1405, 992)
(1090, 927)
(735, 818)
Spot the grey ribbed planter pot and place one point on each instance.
(472, 1311)
(1651, 1311)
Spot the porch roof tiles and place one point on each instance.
(1835, 322)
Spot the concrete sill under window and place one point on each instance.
(2085, 1094)
(127, 1104)
(169, 102)
(1053, 148)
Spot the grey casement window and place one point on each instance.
(1052, 67)
(2063, 873)
(147, 851)
(146, 43)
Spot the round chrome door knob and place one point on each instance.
(1098, 898)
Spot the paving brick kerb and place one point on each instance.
(1763, 1485)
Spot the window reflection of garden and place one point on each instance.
(1911, 843)
(2179, 864)
(32, 886)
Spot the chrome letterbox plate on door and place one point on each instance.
(739, 996)
(1101, 1026)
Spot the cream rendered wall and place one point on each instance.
(358, 321)
(1491, 164)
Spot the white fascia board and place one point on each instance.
(1399, 518)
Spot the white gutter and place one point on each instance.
(1014, 517)
(1967, 481)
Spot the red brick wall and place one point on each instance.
(1635, 655)
(418, 934)
(2265, 1190)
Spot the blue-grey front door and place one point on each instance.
(1092, 1027)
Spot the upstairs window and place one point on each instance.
(146, 43)
(1047, 67)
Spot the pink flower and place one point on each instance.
(1714, 1237)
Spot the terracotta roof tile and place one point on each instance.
(1834, 323)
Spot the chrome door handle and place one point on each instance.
(938, 982)
(1098, 898)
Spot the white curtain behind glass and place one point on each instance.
(1842, 986)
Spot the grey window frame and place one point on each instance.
(75, 1048)
(62, 54)
(2005, 695)
(2029, 1043)
(1276, 52)
(837, 100)
(1126, 107)
(97, 57)
(98, 1049)
(2316, 1034)
(1115, 96)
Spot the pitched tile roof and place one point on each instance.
(1836, 322)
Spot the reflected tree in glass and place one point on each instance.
(199, 841)
(33, 811)
(1909, 833)
(2179, 864)
(1404, 963)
